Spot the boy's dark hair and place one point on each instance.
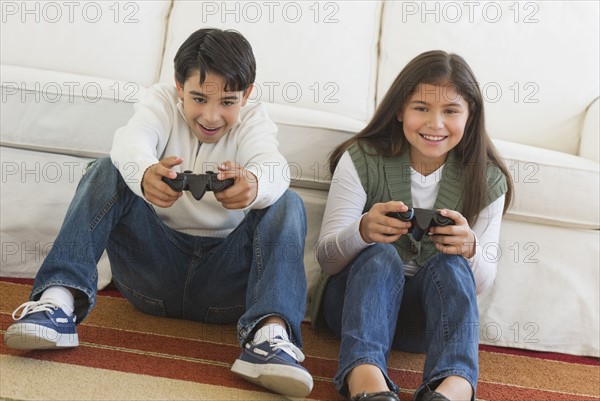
(226, 53)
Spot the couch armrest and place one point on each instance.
(589, 145)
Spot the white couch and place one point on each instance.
(71, 72)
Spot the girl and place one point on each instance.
(426, 147)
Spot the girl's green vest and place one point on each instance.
(389, 178)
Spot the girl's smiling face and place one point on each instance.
(209, 110)
(433, 119)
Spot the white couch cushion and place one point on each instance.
(589, 146)
(37, 190)
(317, 55)
(545, 296)
(536, 62)
(63, 112)
(552, 187)
(105, 39)
(306, 137)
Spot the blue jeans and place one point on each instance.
(255, 272)
(373, 307)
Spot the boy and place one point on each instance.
(234, 255)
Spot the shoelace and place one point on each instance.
(48, 305)
(287, 347)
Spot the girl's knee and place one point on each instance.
(383, 252)
(451, 269)
(460, 267)
(380, 259)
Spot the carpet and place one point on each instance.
(127, 355)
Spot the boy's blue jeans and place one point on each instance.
(255, 272)
(374, 308)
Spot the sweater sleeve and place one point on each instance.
(257, 152)
(140, 143)
(487, 246)
(340, 240)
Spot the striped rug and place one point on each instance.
(126, 355)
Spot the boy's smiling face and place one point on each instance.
(210, 111)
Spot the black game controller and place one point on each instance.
(421, 220)
(197, 184)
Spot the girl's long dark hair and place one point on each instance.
(475, 150)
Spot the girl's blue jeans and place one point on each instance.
(255, 272)
(373, 307)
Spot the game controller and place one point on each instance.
(422, 220)
(197, 184)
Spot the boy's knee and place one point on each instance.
(291, 206)
(100, 172)
(99, 166)
(292, 200)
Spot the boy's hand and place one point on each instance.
(155, 189)
(375, 226)
(457, 239)
(244, 189)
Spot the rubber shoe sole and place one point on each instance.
(286, 380)
(34, 336)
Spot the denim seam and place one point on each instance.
(244, 332)
(445, 327)
(188, 280)
(142, 296)
(60, 283)
(259, 263)
(107, 207)
(397, 289)
(215, 309)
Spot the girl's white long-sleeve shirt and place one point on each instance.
(340, 240)
(158, 129)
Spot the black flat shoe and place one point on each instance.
(433, 396)
(380, 396)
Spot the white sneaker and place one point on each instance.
(41, 325)
(275, 365)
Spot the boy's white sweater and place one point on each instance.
(158, 129)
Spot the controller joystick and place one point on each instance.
(405, 216)
(422, 220)
(197, 184)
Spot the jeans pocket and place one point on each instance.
(143, 303)
(224, 315)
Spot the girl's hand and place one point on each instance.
(458, 239)
(244, 189)
(375, 226)
(155, 189)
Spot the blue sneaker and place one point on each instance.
(41, 325)
(275, 365)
